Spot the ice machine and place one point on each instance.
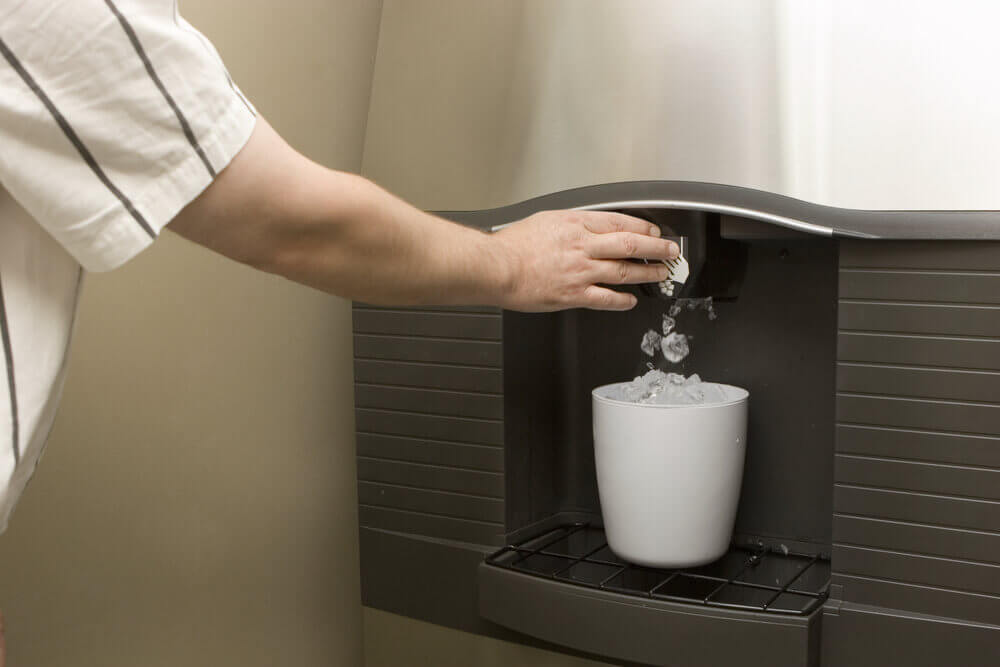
(868, 530)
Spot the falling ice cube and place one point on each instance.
(650, 342)
(668, 324)
(674, 347)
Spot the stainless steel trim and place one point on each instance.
(779, 220)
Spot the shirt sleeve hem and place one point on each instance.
(120, 236)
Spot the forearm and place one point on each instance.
(357, 240)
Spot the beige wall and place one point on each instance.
(196, 504)
(397, 641)
(510, 100)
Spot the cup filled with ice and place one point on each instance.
(669, 452)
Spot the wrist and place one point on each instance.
(500, 269)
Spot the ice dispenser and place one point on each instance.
(868, 523)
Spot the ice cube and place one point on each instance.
(712, 393)
(668, 324)
(675, 308)
(675, 347)
(650, 342)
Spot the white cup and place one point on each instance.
(669, 476)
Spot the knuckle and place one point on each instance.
(629, 246)
(624, 271)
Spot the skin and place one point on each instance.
(277, 211)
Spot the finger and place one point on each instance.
(603, 222)
(602, 298)
(621, 272)
(622, 245)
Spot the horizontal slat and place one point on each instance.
(414, 523)
(431, 376)
(456, 325)
(975, 450)
(920, 318)
(916, 538)
(445, 309)
(918, 569)
(405, 348)
(919, 382)
(432, 477)
(920, 286)
(429, 401)
(919, 414)
(954, 256)
(452, 429)
(945, 479)
(917, 507)
(969, 353)
(417, 450)
(920, 599)
(433, 502)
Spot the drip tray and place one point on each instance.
(568, 587)
(762, 581)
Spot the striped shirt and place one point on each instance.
(114, 114)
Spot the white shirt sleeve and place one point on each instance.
(114, 114)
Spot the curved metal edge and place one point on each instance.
(709, 207)
(760, 205)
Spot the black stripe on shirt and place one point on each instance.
(11, 387)
(188, 132)
(73, 138)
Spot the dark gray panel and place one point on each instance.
(920, 318)
(967, 287)
(440, 503)
(476, 482)
(446, 325)
(919, 414)
(918, 476)
(917, 499)
(958, 385)
(904, 506)
(972, 353)
(453, 429)
(460, 530)
(434, 402)
(921, 599)
(940, 572)
(973, 450)
(450, 350)
(920, 255)
(418, 450)
(857, 636)
(915, 538)
(431, 376)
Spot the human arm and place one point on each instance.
(275, 210)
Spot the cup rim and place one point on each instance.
(742, 396)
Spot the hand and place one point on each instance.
(559, 259)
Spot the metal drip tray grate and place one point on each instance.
(745, 579)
